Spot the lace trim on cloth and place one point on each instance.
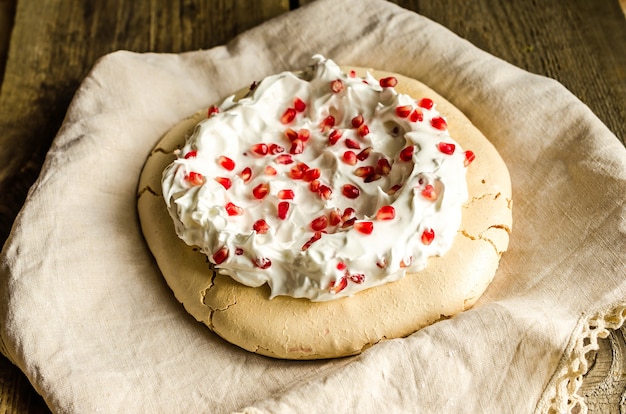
(561, 394)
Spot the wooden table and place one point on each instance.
(47, 47)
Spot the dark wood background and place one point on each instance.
(47, 47)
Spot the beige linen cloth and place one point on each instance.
(87, 316)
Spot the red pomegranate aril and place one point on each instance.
(224, 181)
(388, 82)
(194, 178)
(446, 148)
(260, 191)
(246, 174)
(364, 227)
(283, 209)
(325, 192)
(439, 123)
(327, 123)
(297, 146)
(381, 263)
(314, 186)
(286, 194)
(338, 285)
(352, 74)
(363, 130)
(383, 166)
(334, 136)
(275, 149)
(238, 251)
(357, 278)
(394, 189)
(304, 134)
(407, 153)
(469, 157)
(299, 105)
(284, 159)
(260, 149)
(341, 266)
(291, 134)
(428, 236)
(312, 174)
(191, 154)
(296, 173)
(416, 116)
(349, 157)
(357, 121)
(269, 170)
(316, 236)
(371, 178)
(348, 214)
(350, 191)
(213, 110)
(221, 255)
(226, 163)
(363, 155)
(406, 262)
(348, 223)
(319, 223)
(262, 262)
(386, 213)
(288, 116)
(429, 192)
(233, 209)
(403, 111)
(425, 103)
(364, 171)
(261, 226)
(352, 144)
(334, 217)
(336, 86)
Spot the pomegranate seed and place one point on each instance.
(357, 121)
(194, 178)
(324, 192)
(297, 146)
(363, 155)
(364, 171)
(386, 213)
(406, 262)
(364, 227)
(312, 174)
(246, 174)
(349, 158)
(334, 217)
(269, 170)
(304, 134)
(291, 134)
(439, 123)
(191, 154)
(319, 223)
(371, 177)
(299, 105)
(389, 82)
(296, 173)
(327, 123)
(363, 130)
(284, 159)
(416, 116)
(238, 251)
(407, 153)
(283, 209)
(334, 136)
(276, 149)
(446, 148)
(336, 86)
(261, 226)
(233, 209)
(350, 143)
(469, 157)
(260, 191)
(394, 189)
(259, 149)
(429, 193)
(314, 186)
(348, 223)
(316, 236)
(213, 110)
(338, 286)
(350, 191)
(262, 262)
(286, 194)
(348, 214)
(403, 111)
(383, 166)
(221, 255)
(226, 162)
(426, 103)
(341, 266)
(428, 236)
(382, 263)
(224, 181)
(357, 278)
(288, 116)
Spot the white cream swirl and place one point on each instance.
(320, 184)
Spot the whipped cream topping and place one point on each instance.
(320, 184)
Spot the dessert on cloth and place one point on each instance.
(89, 319)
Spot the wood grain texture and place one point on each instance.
(54, 43)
